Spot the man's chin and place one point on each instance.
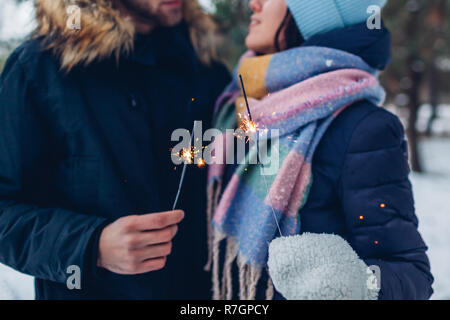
(171, 20)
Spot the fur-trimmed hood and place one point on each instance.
(105, 32)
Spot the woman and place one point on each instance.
(342, 190)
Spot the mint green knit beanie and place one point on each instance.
(319, 16)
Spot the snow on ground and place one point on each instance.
(15, 285)
(432, 195)
(16, 20)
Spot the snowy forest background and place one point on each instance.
(418, 86)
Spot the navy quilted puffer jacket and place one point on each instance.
(361, 189)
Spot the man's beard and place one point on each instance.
(141, 9)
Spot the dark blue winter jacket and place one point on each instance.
(360, 187)
(79, 150)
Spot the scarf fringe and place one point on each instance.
(227, 280)
(215, 270)
(213, 192)
(269, 290)
(243, 279)
(248, 276)
(252, 284)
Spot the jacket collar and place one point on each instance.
(165, 46)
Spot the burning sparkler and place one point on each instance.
(250, 126)
(187, 155)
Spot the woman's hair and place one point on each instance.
(292, 36)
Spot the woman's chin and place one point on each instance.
(249, 43)
(256, 46)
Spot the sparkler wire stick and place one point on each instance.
(246, 100)
(259, 157)
(183, 173)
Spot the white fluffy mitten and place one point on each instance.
(318, 267)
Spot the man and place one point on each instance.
(86, 178)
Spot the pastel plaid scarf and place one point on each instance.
(299, 92)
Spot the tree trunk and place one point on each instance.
(433, 95)
(414, 105)
(415, 74)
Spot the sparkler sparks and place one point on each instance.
(201, 163)
(188, 155)
(248, 126)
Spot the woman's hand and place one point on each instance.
(318, 267)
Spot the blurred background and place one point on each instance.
(418, 87)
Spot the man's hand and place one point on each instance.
(138, 244)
